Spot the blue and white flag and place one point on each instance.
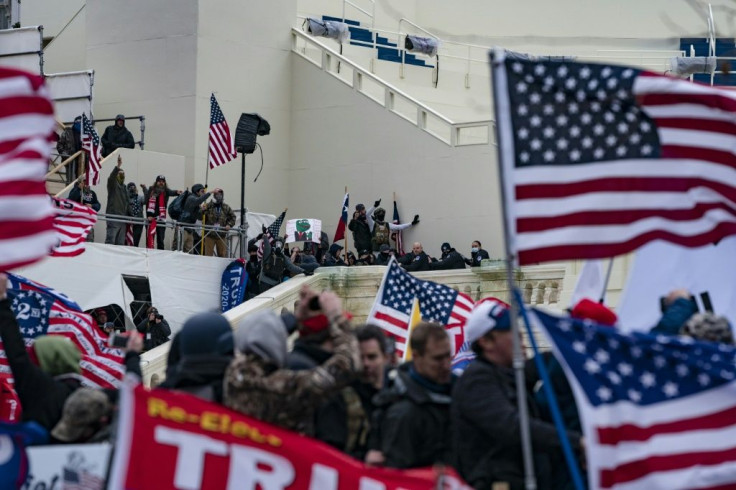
(234, 281)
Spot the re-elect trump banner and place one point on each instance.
(174, 440)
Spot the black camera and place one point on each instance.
(314, 304)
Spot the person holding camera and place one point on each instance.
(362, 225)
(154, 328)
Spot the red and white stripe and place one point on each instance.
(691, 445)
(221, 144)
(26, 130)
(73, 223)
(604, 209)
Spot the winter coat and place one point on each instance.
(415, 263)
(116, 137)
(117, 195)
(221, 216)
(382, 259)
(167, 194)
(275, 262)
(154, 334)
(476, 257)
(486, 437)
(674, 317)
(450, 260)
(89, 197)
(413, 422)
(286, 397)
(200, 375)
(191, 212)
(135, 205)
(361, 234)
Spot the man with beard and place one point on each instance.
(117, 205)
(157, 201)
(221, 216)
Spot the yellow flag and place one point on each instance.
(414, 319)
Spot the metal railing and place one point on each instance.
(392, 98)
(142, 119)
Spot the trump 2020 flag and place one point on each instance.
(343, 222)
(234, 281)
(657, 412)
(40, 310)
(437, 303)
(599, 159)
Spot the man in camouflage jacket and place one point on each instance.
(257, 384)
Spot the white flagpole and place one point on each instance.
(501, 108)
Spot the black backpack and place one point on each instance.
(177, 205)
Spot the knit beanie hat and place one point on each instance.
(264, 334)
(205, 333)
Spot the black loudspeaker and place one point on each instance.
(250, 125)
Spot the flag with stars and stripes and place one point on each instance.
(656, 411)
(221, 145)
(73, 223)
(437, 303)
(91, 146)
(598, 159)
(40, 310)
(273, 232)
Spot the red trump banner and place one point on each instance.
(173, 440)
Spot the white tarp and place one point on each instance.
(21, 48)
(181, 284)
(72, 93)
(660, 267)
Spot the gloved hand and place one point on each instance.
(416, 219)
(377, 203)
(264, 229)
(308, 273)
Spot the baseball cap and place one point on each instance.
(587, 309)
(83, 409)
(489, 314)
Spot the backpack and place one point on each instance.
(381, 233)
(177, 205)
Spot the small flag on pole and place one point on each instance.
(343, 222)
(221, 144)
(91, 146)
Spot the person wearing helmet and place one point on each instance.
(382, 230)
(116, 136)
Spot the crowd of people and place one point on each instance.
(345, 385)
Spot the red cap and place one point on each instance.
(317, 324)
(591, 310)
(100, 310)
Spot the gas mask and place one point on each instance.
(218, 198)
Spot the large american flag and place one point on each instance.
(26, 131)
(598, 160)
(658, 412)
(437, 303)
(221, 144)
(73, 223)
(91, 146)
(40, 310)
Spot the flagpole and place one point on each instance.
(499, 83)
(207, 158)
(605, 283)
(346, 226)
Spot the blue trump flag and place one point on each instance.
(14, 438)
(657, 411)
(234, 282)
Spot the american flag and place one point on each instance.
(221, 145)
(73, 223)
(129, 236)
(40, 310)
(273, 230)
(26, 130)
(342, 223)
(397, 234)
(598, 160)
(437, 303)
(81, 479)
(91, 146)
(657, 411)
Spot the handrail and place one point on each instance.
(404, 19)
(69, 187)
(423, 115)
(372, 14)
(63, 164)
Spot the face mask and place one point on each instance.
(474, 250)
(132, 192)
(218, 198)
(121, 178)
(361, 218)
(254, 258)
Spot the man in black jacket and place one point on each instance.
(416, 260)
(154, 328)
(486, 437)
(117, 205)
(43, 388)
(191, 210)
(361, 225)
(117, 136)
(83, 194)
(477, 254)
(450, 259)
(413, 423)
